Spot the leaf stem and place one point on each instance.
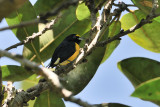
(38, 56)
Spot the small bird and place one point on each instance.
(67, 51)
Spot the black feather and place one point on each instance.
(65, 50)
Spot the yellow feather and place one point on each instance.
(57, 61)
(70, 59)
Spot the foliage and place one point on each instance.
(142, 72)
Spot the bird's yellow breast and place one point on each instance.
(70, 59)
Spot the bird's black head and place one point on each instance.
(74, 38)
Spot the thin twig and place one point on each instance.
(155, 5)
(111, 105)
(22, 24)
(43, 18)
(106, 11)
(131, 5)
(55, 11)
(34, 35)
(132, 29)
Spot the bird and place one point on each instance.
(67, 51)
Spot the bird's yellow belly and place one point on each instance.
(70, 59)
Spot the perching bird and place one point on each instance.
(67, 51)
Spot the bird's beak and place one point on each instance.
(81, 38)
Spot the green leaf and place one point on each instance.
(43, 6)
(11, 7)
(139, 70)
(111, 105)
(44, 39)
(157, 19)
(146, 36)
(49, 99)
(145, 5)
(25, 13)
(114, 29)
(67, 24)
(86, 70)
(14, 73)
(82, 12)
(28, 83)
(5, 94)
(77, 79)
(149, 90)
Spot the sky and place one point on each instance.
(108, 84)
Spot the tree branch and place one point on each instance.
(96, 32)
(34, 35)
(91, 7)
(22, 24)
(123, 33)
(154, 7)
(43, 18)
(132, 29)
(106, 13)
(88, 48)
(11, 92)
(55, 11)
(111, 105)
(49, 75)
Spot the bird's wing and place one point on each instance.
(66, 50)
(62, 53)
